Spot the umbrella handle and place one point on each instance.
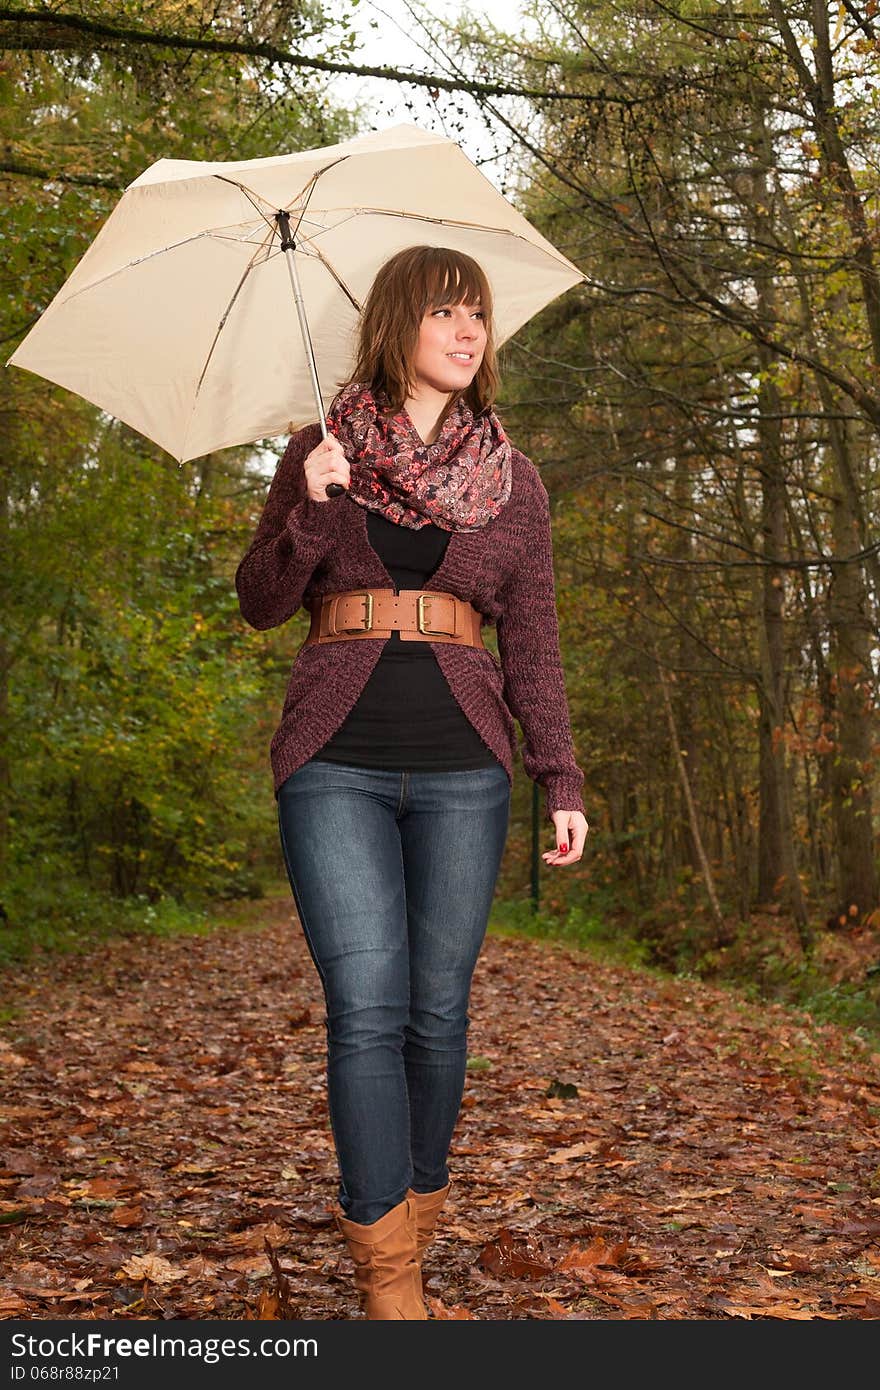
(288, 246)
(332, 489)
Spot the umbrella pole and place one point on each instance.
(288, 246)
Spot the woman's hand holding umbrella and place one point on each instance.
(326, 469)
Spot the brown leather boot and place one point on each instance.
(386, 1273)
(428, 1206)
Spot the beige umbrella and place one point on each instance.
(177, 319)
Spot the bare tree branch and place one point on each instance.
(30, 171)
(52, 31)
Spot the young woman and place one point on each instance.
(394, 756)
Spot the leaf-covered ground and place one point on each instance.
(629, 1146)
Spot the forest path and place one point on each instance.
(628, 1147)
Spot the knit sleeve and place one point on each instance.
(528, 645)
(292, 537)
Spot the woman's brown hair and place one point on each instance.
(405, 288)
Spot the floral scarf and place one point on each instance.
(459, 483)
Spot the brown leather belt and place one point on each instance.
(419, 615)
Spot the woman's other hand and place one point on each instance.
(571, 834)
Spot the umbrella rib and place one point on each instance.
(426, 217)
(222, 324)
(225, 315)
(253, 198)
(270, 234)
(305, 206)
(311, 186)
(140, 260)
(315, 251)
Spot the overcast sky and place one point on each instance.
(396, 43)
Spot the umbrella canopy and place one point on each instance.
(179, 319)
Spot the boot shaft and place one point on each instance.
(386, 1268)
(428, 1207)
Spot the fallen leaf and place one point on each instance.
(596, 1253)
(575, 1151)
(153, 1267)
(554, 1307)
(513, 1256)
(127, 1217)
(252, 1237)
(11, 1305)
(249, 1264)
(440, 1310)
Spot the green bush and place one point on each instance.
(583, 925)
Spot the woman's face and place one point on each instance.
(452, 340)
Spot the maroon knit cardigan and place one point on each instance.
(304, 548)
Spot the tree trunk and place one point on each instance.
(777, 860)
(723, 935)
(682, 550)
(852, 764)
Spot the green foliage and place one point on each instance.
(767, 968)
(855, 1006)
(756, 967)
(53, 910)
(132, 687)
(588, 926)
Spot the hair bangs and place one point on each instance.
(452, 279)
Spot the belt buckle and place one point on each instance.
(420, 618)
(368, 614)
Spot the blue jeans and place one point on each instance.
(393, 875)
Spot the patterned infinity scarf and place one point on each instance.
(460, 482)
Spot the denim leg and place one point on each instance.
(453, 833)
(342, 852)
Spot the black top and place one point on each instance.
(407, 717)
